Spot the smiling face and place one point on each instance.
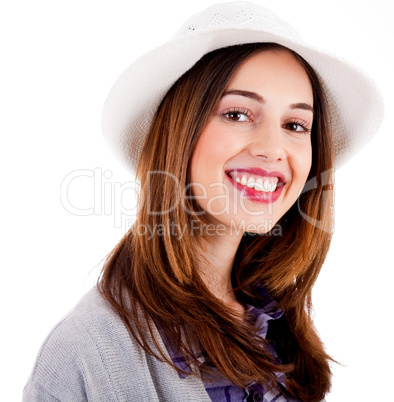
(254, 155)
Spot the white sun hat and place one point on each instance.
(355, 103)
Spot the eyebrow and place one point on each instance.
(247, 94)
(303, 106)
(258, 98)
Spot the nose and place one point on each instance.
(268, 143)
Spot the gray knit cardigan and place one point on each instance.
(90, 356)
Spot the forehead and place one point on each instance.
(273, 72)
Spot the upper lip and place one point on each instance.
(260, 172)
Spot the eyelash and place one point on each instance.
(302, 123)
(236, 110)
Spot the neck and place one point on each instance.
(219, 253)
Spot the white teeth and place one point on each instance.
(259, 185)
(267, 185)
(270, 186)
(250, 182)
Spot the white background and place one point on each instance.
(58, 62)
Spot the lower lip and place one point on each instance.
(257, 196)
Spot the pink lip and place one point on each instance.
(260, 172)
(254, 195)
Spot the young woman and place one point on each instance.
(234, 127)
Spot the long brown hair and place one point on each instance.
(154, 280)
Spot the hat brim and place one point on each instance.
(355, 103)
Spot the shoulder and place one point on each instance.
(83, 357)
(90, 356)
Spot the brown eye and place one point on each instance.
(237, 115)
(298, 127)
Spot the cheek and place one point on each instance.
(303, 162)
(212, 151)
(202, 164)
